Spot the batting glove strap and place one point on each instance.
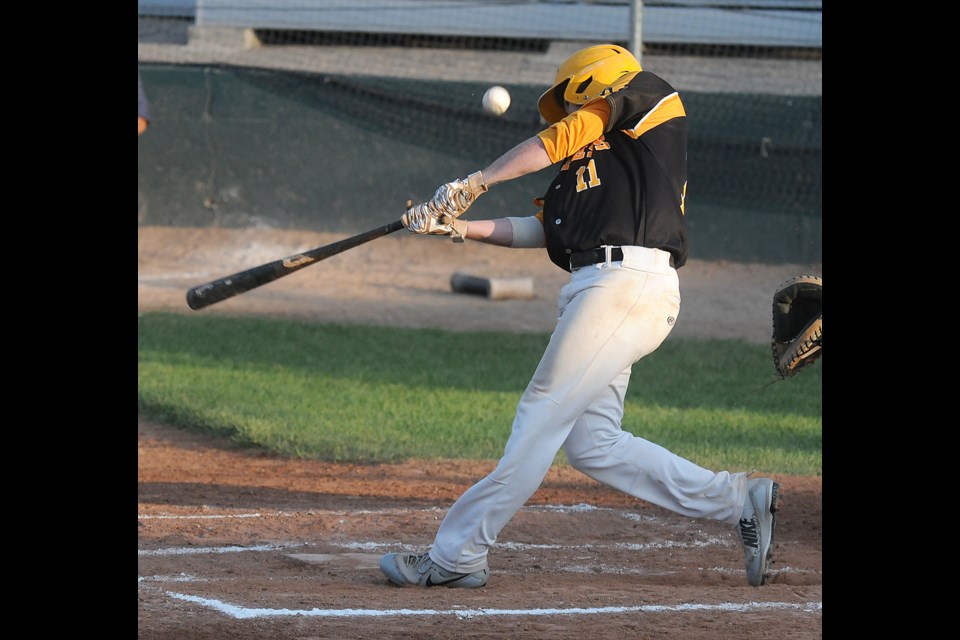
(458, 228)
(476, 185)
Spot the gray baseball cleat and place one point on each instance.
(405, 569)
(756, 527)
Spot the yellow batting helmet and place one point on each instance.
(587, 74)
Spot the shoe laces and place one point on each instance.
(422, 562)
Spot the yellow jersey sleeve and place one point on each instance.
(580, 128)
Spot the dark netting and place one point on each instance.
(263, 116)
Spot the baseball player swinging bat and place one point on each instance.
(204, 295)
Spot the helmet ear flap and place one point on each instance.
(559, 93)
(551, 103)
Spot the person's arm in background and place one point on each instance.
(143, 108)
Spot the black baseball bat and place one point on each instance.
(204, 295)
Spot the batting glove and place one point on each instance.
(422, 219)
(454, 198)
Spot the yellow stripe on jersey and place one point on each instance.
(667, 109)
(580, 128)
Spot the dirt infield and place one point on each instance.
(235, 543)
(238, 544)
(404, 280)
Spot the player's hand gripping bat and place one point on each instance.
(212, 292)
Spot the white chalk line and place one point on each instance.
(287, 514)
(576, 508)
(214, 517)
(246, 613)
(373, 546)
(189, 551)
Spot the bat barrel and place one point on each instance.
(212, 292)
(206, 295)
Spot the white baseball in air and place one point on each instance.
(496, 100)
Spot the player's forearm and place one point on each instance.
(527, 157)
(443, 213)
(498, 231)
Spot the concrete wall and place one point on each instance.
(777, 23)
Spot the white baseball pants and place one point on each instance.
(610, 316)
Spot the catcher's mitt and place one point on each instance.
(797, 324)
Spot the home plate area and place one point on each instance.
(239, 544)
(579, 562)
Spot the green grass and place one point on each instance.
(373, 394)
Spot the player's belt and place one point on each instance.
(596, 256)
(585, 258)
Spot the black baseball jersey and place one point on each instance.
(628, 186)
